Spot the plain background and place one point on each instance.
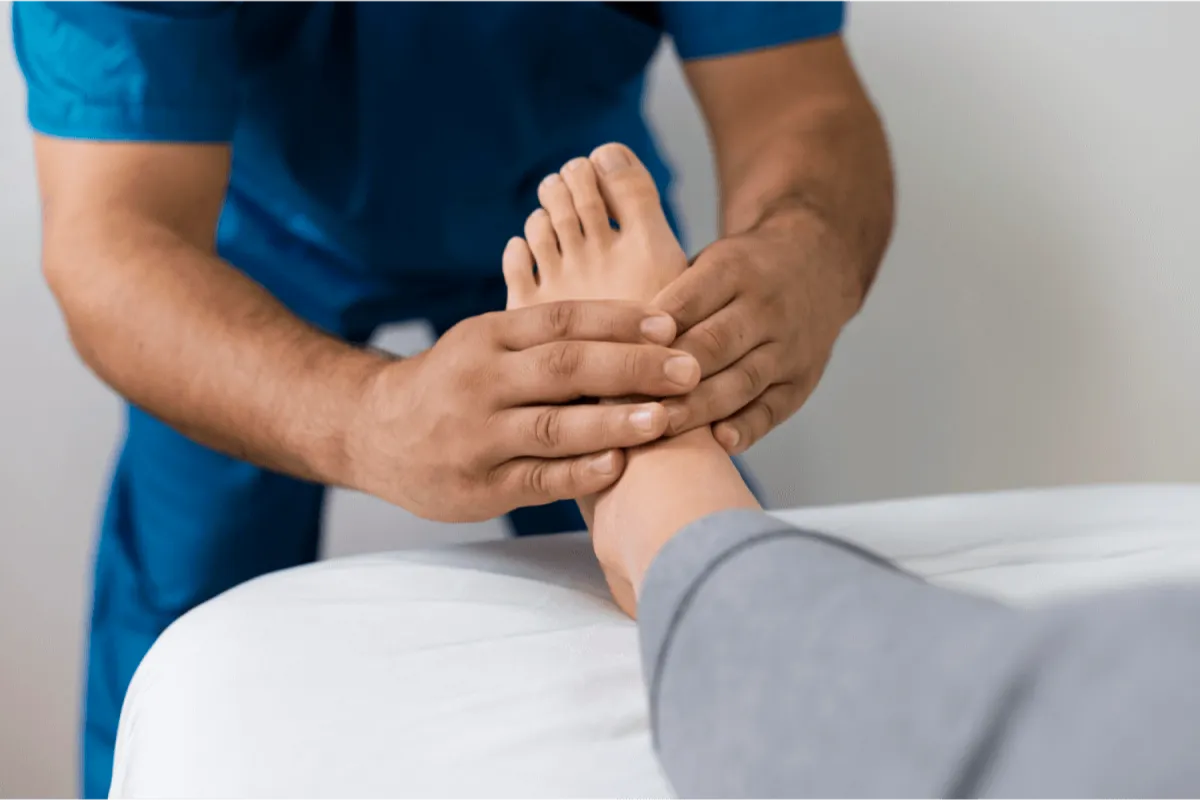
(1034, 322)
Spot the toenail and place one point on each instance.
(551, 179)
(575, 163)
(611, 159)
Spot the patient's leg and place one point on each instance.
(579, 255)
(798, 665)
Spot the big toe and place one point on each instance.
(627, 186)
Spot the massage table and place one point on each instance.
(502, 669)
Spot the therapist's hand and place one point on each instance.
(806, 203)
(761, 315)
(476, 426)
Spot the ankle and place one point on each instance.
(666, 486)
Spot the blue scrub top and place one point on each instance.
(395, 138)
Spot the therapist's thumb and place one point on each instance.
(537, 481)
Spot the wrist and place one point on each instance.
(838, 279)
(354, 384)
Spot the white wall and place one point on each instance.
(1034, 322)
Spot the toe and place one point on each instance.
(555, 197)
(518, 272)
(539, 233)
(626, 185)
(580, 178)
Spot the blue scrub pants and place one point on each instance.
(184, 523)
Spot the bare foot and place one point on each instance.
(572, 251)
(579, 255)
(577, 252)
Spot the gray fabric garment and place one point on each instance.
(780, 662)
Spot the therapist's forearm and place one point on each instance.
(833, 175)
(199, 345)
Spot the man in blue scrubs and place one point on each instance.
(236, 196)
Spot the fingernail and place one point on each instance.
(611, 158)
(643, 418)
(603, 464)
(682, 370)
(660, 329)
(728, 437)
(676, 417)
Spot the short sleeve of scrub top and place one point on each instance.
(707, 29)
(129, 71)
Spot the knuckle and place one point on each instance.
(580, 480)
(753, 378)
(673, 300)
(464, 485)
(563, 360)
(738, 261)
(745, 330)
(613, 326)
(706, 402)
(495, 476)
(469, 377)
(547, 428)
(480, 453)
(709, 341)
(590, 205)
(561, 319)
(767, 416)
(731, 260)
(687, 302)
(485, 327)
(790, 398)
(537, 477)
(775, 304)
(633, 363)
(473, 467)
(719, 404)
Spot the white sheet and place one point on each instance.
(501, 669)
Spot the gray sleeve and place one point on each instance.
(781, 662)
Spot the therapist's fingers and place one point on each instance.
(703, 289)
(587, 320)
(565, 431)
(738, 433)
(538, 481)
(563, 371)
(725, 337)
(726, 393)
